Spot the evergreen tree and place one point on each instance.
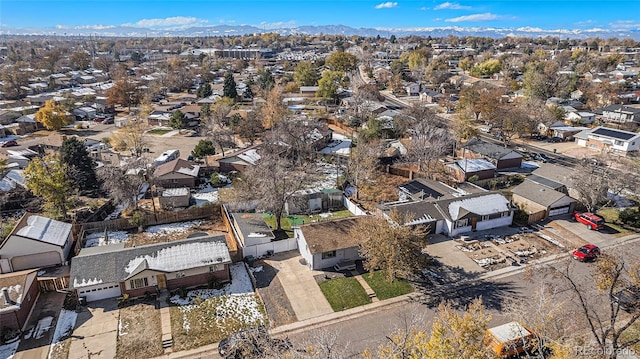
(178, 120)
(81, 169)
(204, 90)
(229, 88)
(203, 149)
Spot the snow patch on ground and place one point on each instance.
(237, 299)
(122, 329)
(529, 165)
(206, 195)
(116, 212)
(64, 327)
(7, 350)
(171, 228)
(98, 238)
(42, 327)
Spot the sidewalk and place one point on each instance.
(336, 317)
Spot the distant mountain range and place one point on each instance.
(219, 30)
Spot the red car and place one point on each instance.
(593, 221)
(585, 253)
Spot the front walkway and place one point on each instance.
(370, 292)
(300, 286)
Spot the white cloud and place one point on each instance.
(451, 6)
(424, 8)
(174, 21)
(625, 25)
(475, 17)
(387, 5)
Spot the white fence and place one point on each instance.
(261, 250)
(352, 207)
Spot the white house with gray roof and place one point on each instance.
(35, 242)
(609, 140)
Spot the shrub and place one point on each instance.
(630, 216)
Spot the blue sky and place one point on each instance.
(158, 14)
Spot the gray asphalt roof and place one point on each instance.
(487, 149)
(537, 193)
(545, 181)
(114, 263)
(252, 223)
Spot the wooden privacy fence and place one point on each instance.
(151, 219)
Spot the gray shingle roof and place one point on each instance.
(537, 193)
(487, 149)
(113, 264)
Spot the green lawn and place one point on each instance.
(384, 289)
(296, 220)
(610, 216)
(159, 131)
(344, 293)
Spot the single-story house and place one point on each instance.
(502, 157)
(413, 89)
(239, 160)
(113, 270)
(621, 114)
(85, 113)
(580, 117)
(176, 173)
(454, 215)
(541, 202)
(324, 244)
(609, 140)
(462, 170)
(565, 132)
(18, 293)
(35, 242)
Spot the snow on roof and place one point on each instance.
(251, 156)
(481, 205)
(475, 165)
(193, 171)
(342, 147)
(174, 192)
(509, 331)
(86, 282)
(183, 256)
(46, 230)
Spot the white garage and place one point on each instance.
(99, 291)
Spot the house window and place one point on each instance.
(619, 143)
(504, 214)
(179, 274)
(462, 223)
(139, 283)
(215, 268)
(326, 255)
(484, 218)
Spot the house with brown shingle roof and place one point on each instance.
(177, 173)
(324, 244)
(18, 294)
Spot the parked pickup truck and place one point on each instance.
(343, 266)
(628, 299)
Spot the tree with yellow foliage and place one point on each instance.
(48, 179)
(53, 116)
(453, 335)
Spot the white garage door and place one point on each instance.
(101, 291)
(558, 211)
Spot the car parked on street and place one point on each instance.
(10, 143)
(628, 299)
(593, 221)
(588, 252)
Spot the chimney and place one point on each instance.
(5, 293)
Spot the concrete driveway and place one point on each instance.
(599, 238)
(444, 250)
(41, 326)
(96, 332)
(301, 288)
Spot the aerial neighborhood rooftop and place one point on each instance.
(185, 193)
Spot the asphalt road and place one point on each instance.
(351, 337)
